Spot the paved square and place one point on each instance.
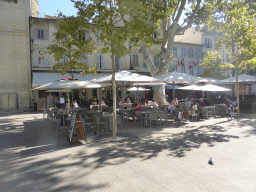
(169, 158)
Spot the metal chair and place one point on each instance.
(152, 117)
(162, 116)
(139, 116)
(193, 114)
(204, 112)
(97, 121)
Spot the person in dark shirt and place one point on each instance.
(201, 103)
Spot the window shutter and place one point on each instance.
(46, 64)
(62, 59)
(205, 42)
(35, 34)
(119, 63)
(210, 43)
(45, 34)
(88, 35)
(84, 60)
(116, 63)
(102, 62)
(98, 60)
(36, 62)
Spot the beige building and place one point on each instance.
(15, 72)
(188, 55)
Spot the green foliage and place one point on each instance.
(69, 48)
(214, 67)
(235, 20)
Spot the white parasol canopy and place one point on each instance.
(178, 77)
(65, 84)
(137, 89)
(241, 79)
(205, 87)
(125, 78)
(175, 77)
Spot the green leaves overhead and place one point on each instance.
(70, 46)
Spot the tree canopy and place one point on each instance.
(71, 46)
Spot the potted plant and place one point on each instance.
(94, 101)
(67, 103)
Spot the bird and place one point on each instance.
(211, 161)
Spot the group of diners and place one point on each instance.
(173, 108)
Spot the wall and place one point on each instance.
(14, 48)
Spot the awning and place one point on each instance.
(42, 78)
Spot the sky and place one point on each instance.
(51, 7)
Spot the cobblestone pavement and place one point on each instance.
(170, 158)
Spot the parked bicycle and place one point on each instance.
(231, 110)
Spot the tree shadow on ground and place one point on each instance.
(177, 145)
(248, 122)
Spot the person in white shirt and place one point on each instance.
(175, 102)
(154, 103)
(101, 103)
(171, 107)
(75, 104)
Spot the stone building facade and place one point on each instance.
(15, 70)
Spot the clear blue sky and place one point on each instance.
(51, 7)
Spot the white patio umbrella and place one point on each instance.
(124, 78)
(175, 77)
(65, 85)
(241, 79)
(137, 89)
(205, 87)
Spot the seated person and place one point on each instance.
(146, 102)
(175, 102)
(171, 107)
(154, 103)
(128, 100)
(138, 107)
(75, 104)
(64, 112)
(121, 103)
(201, 103)
(101, 103)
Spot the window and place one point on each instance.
(190, 52)
(183, 52)
(135, 60)
(199, 70)
(98, 36)
(41, 62)
(40, 34)
(175, 51)
(64, 59)
(84, 35)
(191, 70)
(199, 53)
(156, 61)
(183, 69)
(118, 63)
(84, 60)
(100, 61)
(208, 43)
(156, 34)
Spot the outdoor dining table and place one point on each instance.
(63, 115)
(110, 116)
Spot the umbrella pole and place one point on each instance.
(68, 102)
(173, 90)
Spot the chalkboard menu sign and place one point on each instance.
(41, 104)
(76, 119)
(72, 126)
(50, 102)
